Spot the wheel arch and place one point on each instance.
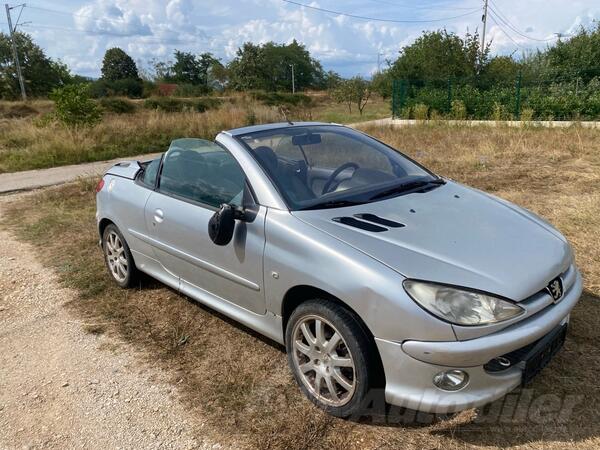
(299, 294)
(103, 224)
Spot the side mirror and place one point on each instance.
(222, 224)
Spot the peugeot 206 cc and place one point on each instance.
(374, 272)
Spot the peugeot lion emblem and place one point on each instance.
(555, 288)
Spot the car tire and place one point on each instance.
(315, 358)
(118, 258)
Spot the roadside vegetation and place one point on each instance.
(38, 135)
(239, 383)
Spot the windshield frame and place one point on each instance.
(358, 195)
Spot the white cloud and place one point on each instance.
(110, 18)
(154, 28)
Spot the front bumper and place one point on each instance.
(410, 366)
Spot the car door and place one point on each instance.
(196, 177)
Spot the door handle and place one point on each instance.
(158, 216)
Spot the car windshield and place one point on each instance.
(323, 166)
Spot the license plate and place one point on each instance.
(541, 354)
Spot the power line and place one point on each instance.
(431, 7)
(512, 27)
(376, 19)
(505, 33)
(74, 14)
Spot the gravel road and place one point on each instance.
(33, 179)
(61, 387)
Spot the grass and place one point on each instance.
(30, 140)
(239, 384)
(377, 108)
(33, 144)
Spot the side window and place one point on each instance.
(202, 171)
(148, 177)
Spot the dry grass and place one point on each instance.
(29, 140)
(239, 383)
(29, 143)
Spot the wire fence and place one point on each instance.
(522, 98)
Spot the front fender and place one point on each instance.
(296, 253)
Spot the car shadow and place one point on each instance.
(149, 283)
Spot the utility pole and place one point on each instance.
(484, 20)
(14, 49)
(379, 55)
(293, 81)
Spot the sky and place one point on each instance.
(349, 37)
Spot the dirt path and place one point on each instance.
(63, 387)
(33, 179)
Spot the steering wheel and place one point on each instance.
(336, 172)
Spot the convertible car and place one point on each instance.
(375, 273)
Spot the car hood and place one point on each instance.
(456, 235)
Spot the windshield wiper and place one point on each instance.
(333, 204)
(398, 189)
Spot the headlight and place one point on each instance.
(461, 307)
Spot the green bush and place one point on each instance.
(74, 106)
(129, 87)
(171, 104)
(117, 105)
(560, 101)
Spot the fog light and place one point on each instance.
(451, 380)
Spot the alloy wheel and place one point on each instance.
(323, 361)
(115, 256)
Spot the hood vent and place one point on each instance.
(379, 220)
(352, 222)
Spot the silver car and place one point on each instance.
(375, 273)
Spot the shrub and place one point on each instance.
(74, 106)
(527, 114)
(117, 105)
(170, 104)
(499, 112)
(191, 90)
(129, 87)
(458, 110)
(434, 114)
(421, 111)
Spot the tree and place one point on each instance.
(118, 65)
(268, 67)
(500, 70)
(247, 70)
(186, 68)
(331, 80)
(355, 91)
(342, 94)
(382, 83)
(191, 69)
(576, 58)
(437, 55)
(41, 73)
